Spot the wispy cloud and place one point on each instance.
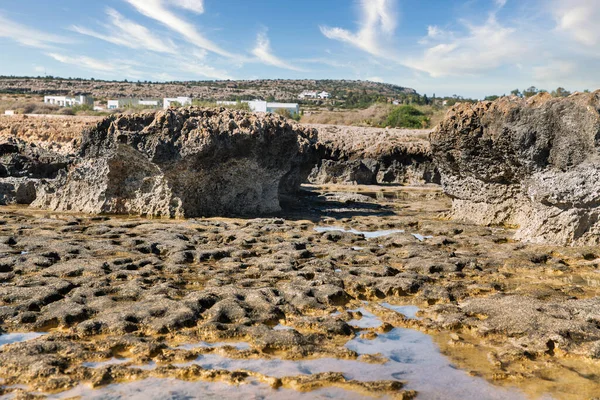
(482, 48)
(106, 67)
(196, 6)
(159, 11)
(264, 53)
(204, 70)
(29, 36)
(554, 71)
(378, 20)
(124, 32)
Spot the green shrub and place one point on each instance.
(287, 114)
(407, 117)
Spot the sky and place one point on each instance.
(471, 48)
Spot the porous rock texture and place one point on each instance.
(531, 163)
(367, 156)
(189, 162)
(23, 167)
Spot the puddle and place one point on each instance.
(112, 361)
(412, 356)
(367, 235)
(280, 327)
(409, 312)
(160, 389)
(421, 238)
(11, 338)
(201, 345)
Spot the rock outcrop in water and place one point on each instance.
(181, 163)
(368, 156)
(529, 163)
(23, 167)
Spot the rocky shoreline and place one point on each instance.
(348, 291)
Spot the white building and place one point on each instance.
(308, 94)
(9, 112)
(68, 101)
(184, 101)
(130, 102)
(263, 106)
(324, 95)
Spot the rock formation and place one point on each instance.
(189, 162)
(528, 163)
(368, 156)
(23, 166)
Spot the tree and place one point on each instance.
(530, 91)
(491, 98)
(560, 92)
(516, 92)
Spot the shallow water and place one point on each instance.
(367, 235)
(409, 312)
(420, 237)
(172, 389)
(199, 345)
(412, 357)
(10, 338)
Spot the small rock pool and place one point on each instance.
(412, 357)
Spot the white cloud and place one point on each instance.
(159, 11)
(554, 71)
(500, 3)
(483, 48)
(196, 6)
(579, 19)
(105, 67)
(264, 53)
(378, 19)
(29, 36)
(204, 70)
(84, 62)
(124, 32)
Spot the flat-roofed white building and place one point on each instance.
(131, 102)
(184, 101)
(263, 106)
(308, 94)
(324, 95)
(68, 101)
(293, 108)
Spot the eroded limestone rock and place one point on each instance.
(529, 163)
(181, 163)
(368, 156)
(22, 167)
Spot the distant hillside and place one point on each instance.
(278, 89)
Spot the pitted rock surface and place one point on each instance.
(182, 163)
(369, 156)
(529, 163)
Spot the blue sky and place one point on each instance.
(466, 47)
